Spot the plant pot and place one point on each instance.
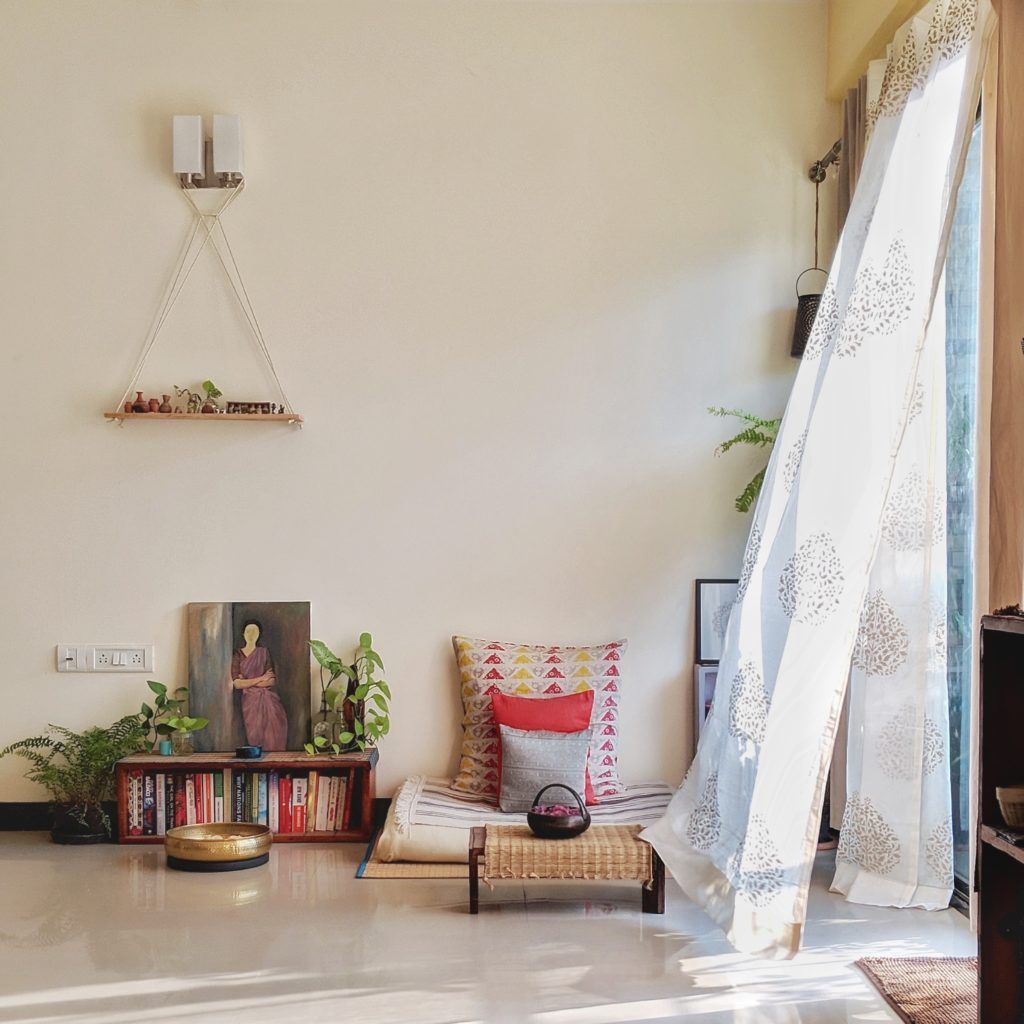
(75, 828)
(181, 742)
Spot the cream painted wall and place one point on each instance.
(505, 255)
(858, 32)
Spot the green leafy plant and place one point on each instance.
(182, 723)
(363, 703)
(758, 432)
(77, 768)
(211, 389)
(156, 718)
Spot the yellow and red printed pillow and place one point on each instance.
(524, 670)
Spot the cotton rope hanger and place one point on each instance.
(210, 222)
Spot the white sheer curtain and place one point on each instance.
(842, 567)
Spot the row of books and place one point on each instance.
(287, 802)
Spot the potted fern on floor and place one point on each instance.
(77, 769)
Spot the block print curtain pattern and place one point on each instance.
(844, 566)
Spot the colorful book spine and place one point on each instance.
(238, 786)
(225, 777)
(312, 786)
(148, 804)
(218, 797)
(262, 817)
(253, 783)
(300, 788)
(350, 785)
(161, 804)
(323, 796)
(135, 802)
(180, 801)
(332, 804)
(284, 800)
(273, 801)
(190, 799)
(343, 787)
(208, 797)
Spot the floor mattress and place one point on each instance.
(429, 822)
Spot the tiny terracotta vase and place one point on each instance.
(209, 407)
(140, 404)
(154, 405)
(166, 404)
(127, 406)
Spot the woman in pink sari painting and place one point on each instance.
(252, 672)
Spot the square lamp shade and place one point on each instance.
(188, 144)
(227, 144)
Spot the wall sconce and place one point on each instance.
(205, 163)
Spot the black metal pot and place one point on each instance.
(558, 826)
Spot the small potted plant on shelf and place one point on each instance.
(182, 729)
(361, 705)
(156, 719)
(77, 769)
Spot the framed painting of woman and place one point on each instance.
(248, 667)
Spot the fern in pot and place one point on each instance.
(77, 770)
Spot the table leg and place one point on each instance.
(653, 899)
(477, 836)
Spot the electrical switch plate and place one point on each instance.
(123, 657)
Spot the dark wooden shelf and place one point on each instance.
(999, 878)
(361, 764)
(991, 836)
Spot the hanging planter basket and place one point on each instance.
(806, 310)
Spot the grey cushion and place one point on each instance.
(533, 759)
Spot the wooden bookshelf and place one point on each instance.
(360, 767)
(999, 876)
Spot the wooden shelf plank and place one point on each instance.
(265, 417)
(1003, 623)
(992, 837)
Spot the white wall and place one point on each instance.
(505, 254)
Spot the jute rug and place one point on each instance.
(373, 868)
(927, 990)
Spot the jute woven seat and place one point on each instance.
(612, 852)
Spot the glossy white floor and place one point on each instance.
(108, 934)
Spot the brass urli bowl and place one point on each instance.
(225, 846)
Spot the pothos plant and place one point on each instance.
(758, 432)
(164, 717)
(361, 701)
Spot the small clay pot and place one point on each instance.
(154, 405)
(140, 404)
(209, 407)
(127, 406)
(165, 406)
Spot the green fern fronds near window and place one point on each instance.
(760, 433)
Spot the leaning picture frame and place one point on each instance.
(704, 679)
(714, 601)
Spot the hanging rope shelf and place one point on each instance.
(207, 229)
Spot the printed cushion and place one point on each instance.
(532, 759)
(487, 667)
(568, 713)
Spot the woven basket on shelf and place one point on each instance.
(1011, 804)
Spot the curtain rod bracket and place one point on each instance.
(817, 170)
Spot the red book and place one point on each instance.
(180, 801)
(208, 798)
(284, 804)
(347, 813)
(200, 800)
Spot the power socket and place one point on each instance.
(124, 657)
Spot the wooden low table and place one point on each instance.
(612, 852)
